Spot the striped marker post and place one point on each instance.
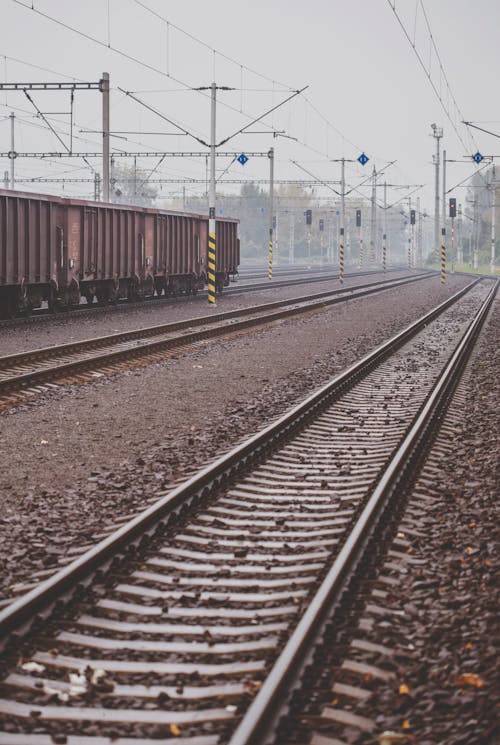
(211, 268)
(360, 239)
(272, 219)
(384, 253)
(270, 260)
(341, 256)
(372, 254)
(443, 257)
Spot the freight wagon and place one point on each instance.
(58, 250)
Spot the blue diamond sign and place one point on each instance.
(242, 159)
(477, 157)
(363, 159)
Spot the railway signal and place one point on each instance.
(308, 215)
(453, 207)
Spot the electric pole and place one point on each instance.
(493, 209)
(444, 189)
(12, 153)
(276, 237)
(476, 232)
(342, 221)
(460, 247)
(104, 86)
(359, 221)
(384, 235)
(211, 201)
(212, 263)
(373, 217)
(437, 133)
(443, 228)
(271, 197)
(418, 247)
(410, 236)
(97, 187)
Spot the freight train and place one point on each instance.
(59, 250)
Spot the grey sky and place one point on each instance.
(363, 75)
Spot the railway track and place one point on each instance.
(28, 374)
(192, 622)
(369, 653)
(246, 284)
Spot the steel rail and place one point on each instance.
(117, 548)
(291, 281)
(261, 719)
(266, 313)
(44, 314)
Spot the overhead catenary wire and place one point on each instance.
(42, 69)
(185, 86)
(323, 183)
(158, 113)
(168, 74)
(121, 52)
(433, 46)
(35, 124)
(209, 47)
(478, 172)
(40, 113)
(184, 89)
(392, 5)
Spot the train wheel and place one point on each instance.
(54, 303)
(9, 305)
(102, 295)
(12, 307)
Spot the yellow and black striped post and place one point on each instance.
(272, 219)
(443, 257)
(384, 253)
(341, 256)
(409, 253)
(360, 239)
(372, 253)
(270, 260)
(211, 268)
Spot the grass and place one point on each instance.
(466, 268)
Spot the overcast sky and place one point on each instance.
(367, 91)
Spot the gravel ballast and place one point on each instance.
(77, 460)
(429, 605)
(26, 334)
(454, 679)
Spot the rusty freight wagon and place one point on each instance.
(58, 250)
